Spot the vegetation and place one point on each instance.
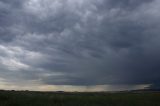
(27, 98)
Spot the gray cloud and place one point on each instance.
(85, 42)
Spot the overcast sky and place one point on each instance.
(82, 45)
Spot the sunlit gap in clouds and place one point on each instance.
(69, 88)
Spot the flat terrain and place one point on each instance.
(26, 98)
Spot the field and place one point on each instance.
(27, 98)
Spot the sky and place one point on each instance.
(79, 45)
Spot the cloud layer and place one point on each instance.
(80, 42)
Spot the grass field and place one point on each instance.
(26, 98)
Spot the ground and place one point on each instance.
(28, 98)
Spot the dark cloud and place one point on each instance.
(80, 42)
(127, 4)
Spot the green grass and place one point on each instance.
(13, 98)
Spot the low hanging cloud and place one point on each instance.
(84, 42)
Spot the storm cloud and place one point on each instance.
(80, 42)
